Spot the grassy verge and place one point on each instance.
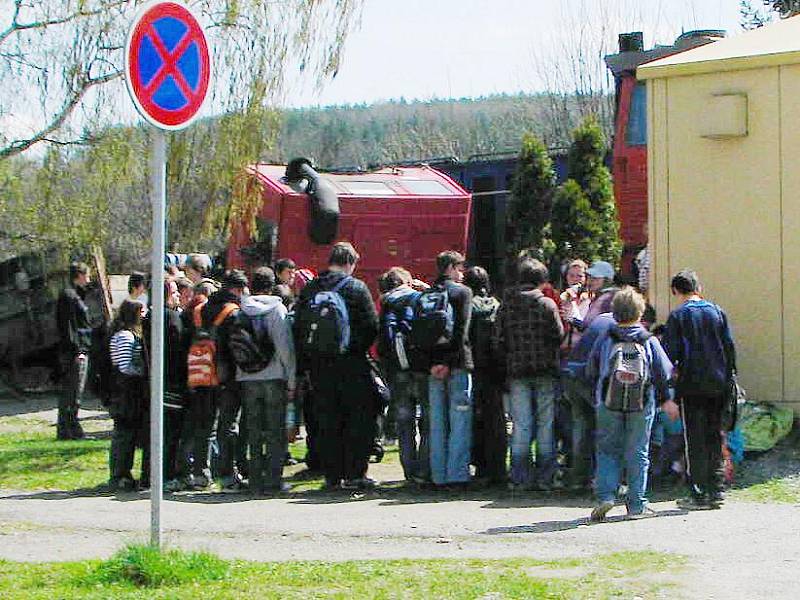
(139, 572)
(779, 489)
(31, 459)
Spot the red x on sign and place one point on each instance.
(167, 65)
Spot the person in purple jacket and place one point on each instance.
(631, 372)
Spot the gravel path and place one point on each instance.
(743, 551)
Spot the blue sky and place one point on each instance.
(453, 48)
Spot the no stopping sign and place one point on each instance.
(167, 64)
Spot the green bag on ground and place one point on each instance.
(764, 425)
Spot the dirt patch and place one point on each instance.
(781, 461)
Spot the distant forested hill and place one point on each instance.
(363, 135)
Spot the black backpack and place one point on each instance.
(324, 323)
(397, 318)
(484, 315)
(433, 321)
(250, 351)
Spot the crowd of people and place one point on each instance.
(445, 369)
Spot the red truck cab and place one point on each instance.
(397, 216)
(629, 167)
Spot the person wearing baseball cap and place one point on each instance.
(601, 285)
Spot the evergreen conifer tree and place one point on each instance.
(531, 198)
(586, 167)
(576, 228)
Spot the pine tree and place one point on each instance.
(531, 197)
(576, 228)
(586, 166)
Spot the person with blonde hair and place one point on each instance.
(631, 372)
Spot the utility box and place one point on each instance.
(724, 117)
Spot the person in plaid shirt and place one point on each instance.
(528, 334)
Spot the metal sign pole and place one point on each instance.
(158, 176)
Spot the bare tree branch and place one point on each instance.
(19, 146)
(43, 24)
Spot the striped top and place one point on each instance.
(126, 353)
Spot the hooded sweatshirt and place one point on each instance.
(599, 366)
(268, 316)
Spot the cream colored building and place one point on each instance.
(724, 192)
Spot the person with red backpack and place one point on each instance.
(335, 325)
(211, 377)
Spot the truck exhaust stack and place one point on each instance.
(323, 224)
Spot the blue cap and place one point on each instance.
(601, 269)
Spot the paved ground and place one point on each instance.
(746, 550)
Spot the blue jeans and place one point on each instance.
(450, 403)
(623, 442)
(527, 394)
(409, 390)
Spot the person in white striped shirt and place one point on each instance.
(129, 401)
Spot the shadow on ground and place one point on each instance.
(552, 526)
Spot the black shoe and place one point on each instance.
(271, 490)
(331, 485)
(377, 454)
(123, 484)
(362, 483)
(693, 502)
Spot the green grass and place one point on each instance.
(34, 460)
(780, 490)
(139, 572)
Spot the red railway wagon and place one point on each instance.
(629, 167)
(397, 216)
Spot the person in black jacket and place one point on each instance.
(75, 332)
(489, 424)
(175, 458)
(343, 390)
(450, 381)
(699, 342)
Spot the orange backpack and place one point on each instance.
(202, 358)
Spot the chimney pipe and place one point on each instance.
(631, 42)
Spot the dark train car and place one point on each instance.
(489, 178)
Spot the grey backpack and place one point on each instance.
(629, 375)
